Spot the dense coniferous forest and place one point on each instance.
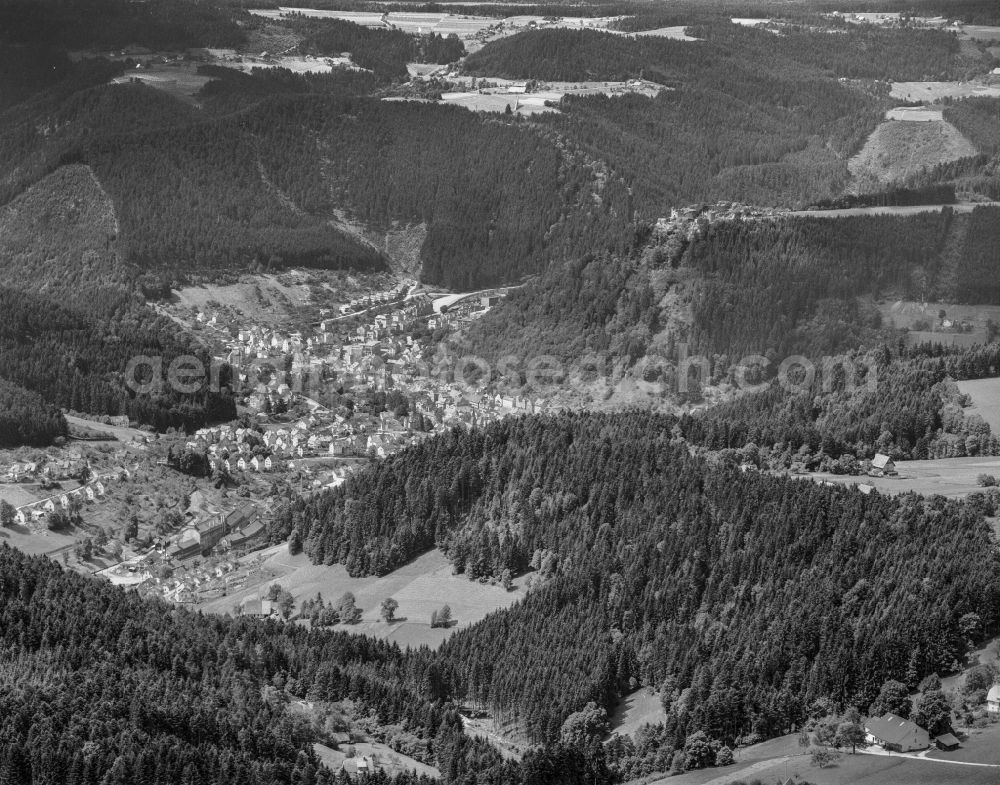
(979, 121)
(25, 418)
(100, 686)
(73, 317)
(869, 52)
(108, 24)
(78, 361)
(656, 566)
(774, 287)
(904, 404)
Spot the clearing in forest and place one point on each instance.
(898, 149)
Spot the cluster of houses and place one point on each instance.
(32, 514)
(261, 343)
(234, 530)
(53, 470)
(192, 582)
(374, 299)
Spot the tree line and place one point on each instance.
(652, 566)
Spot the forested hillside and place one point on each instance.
(744, 596)
(108, 24)
(979, 121)
(729, 288)
(904, 404)
(852, 51)
(25, 418)
(254, 179)
(99, 686)
(73, 316)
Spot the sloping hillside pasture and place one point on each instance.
(642, 707)
(981, 32)
(914, 114)
(420, 587)
(985, 394)
(935, 91)
(781, 760)
(180, 80)
(951, 477)
(898, 149)
(906, 313)
(675, 33)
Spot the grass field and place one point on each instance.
(935, 91)
(981, 746)
(898, 149)
(906, 313)
(181, 80)
(985, 395)
(420, 587)
(951, 477)
(500, 103)
(675, 33)
(914, 114)
(781, 760)
(642, 707)
(44, 542)
(981, 32)
(909, 209)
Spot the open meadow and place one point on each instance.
(180, 80)
(675, 33)
(420, 587)
(642, 707)
(782, 760)
(936, 91)
(981, 32)
(985, 394)
(951, 477)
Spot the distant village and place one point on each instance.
(306, 420)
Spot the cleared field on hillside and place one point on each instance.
(781, 760)
(181, 80)
(952, 477)
(675, 33)
(958, 207)
(640, 708)
(914, 114)
(420, 587)
(389, 761)
(897, 149)
(480, 102)
(904, 313)
(985, 395)
(35, 543)
(982, 32)
(935, 91)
